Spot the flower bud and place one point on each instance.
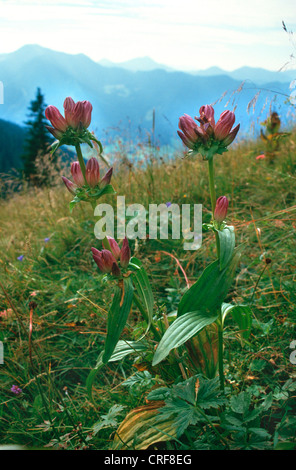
(224, 125)
(57, 120)
(86, 114)
(221, 209)
(78, 114)
(76, 117)
(92, 172)
(69, 105)
(207, 114)
(114, 247)
(77, 174)
(188, 127)
(125, 253)
(69, 185)
(107, 178)
(231, 136)
(104, 260)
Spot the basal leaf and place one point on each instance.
(181, 330)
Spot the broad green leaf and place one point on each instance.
(242, 315)
(124, 348)
(227, 245)
(180, 331)
(240, 403)
(142, 428)
(117, 316)
(209, 291)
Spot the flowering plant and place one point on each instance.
(202, 307)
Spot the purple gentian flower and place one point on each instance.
(46, 239)
(20, 258)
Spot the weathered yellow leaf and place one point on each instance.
(142, 427)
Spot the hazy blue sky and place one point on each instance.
(184, 34)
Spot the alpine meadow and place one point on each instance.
(147, 257)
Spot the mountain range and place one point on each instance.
(125, 96)
(257, 75)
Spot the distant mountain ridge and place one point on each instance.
(140, 64)
(256, 74)
(124, 100)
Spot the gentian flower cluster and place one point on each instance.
(112, 257)
(92, 176)
(209, 137)
(72, 128)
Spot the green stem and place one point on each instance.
(81, 161)
(213, 198)
(220, 354)
(220, 322)
(212, 184)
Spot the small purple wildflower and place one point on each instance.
(46, 239)
(20, 258)
(168, 204)
(16, 390)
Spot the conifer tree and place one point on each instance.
(38, 139)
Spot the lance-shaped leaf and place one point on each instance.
(117, 316)
(226, 244)
(209, 291)
(180, 331)
(143, 287)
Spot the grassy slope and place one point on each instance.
(69, 322)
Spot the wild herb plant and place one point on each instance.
(201, 311)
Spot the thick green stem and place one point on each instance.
(220, 323)
(212, 184)
(81, 161)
